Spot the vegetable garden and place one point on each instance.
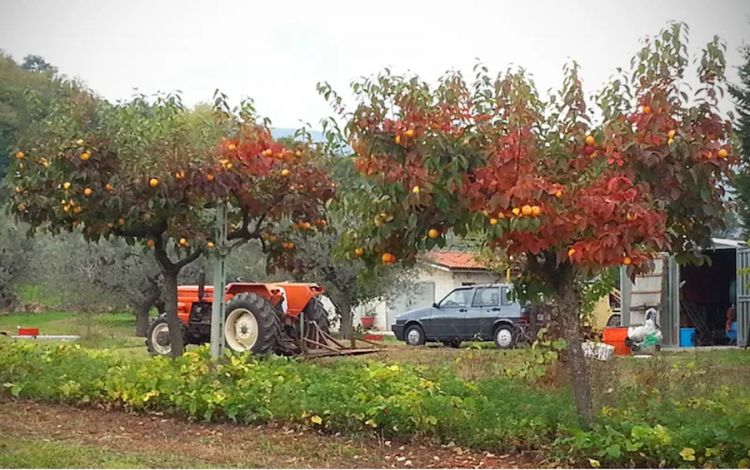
(660, 413)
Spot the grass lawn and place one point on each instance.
(115, 331)
(32, 452)
(97, 330)
(100, 330)
(61, 323)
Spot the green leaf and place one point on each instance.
(614, 451)
(688, 454)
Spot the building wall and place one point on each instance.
(460, 278)
(444, 280)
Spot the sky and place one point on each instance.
(276, 51)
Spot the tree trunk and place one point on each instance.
(141, 319)
(561, 278)
(169, 271)
(343, 306)
(141, 306)
(170, 305)
(347, 321)
(347, 325)
(8, 300)
(568, 306)
(141, 310)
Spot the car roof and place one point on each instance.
(474, 286)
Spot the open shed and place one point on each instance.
(697, 297)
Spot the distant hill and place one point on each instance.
(279, 132)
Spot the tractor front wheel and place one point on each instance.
(157, 337)
(320, 317)
(251, 324)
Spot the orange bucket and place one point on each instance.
(616, 337)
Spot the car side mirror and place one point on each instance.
(435, 305)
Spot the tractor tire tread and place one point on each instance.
(162, 318)
(269, 324)
(320, 316)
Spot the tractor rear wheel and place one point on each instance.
(251, 324)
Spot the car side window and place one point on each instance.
(506, 301)
(486, 297)
(457, 298)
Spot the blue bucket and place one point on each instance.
(687, 337)
(732, 334)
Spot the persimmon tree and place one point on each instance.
(278, 190)
(150, 170)
(571, 186)
(319, 256)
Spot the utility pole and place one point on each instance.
(218, 308)
(626, 290)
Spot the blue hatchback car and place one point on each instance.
(472, 313)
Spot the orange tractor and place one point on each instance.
(282, 318)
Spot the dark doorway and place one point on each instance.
(707, 293)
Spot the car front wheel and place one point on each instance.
(414, 336)
(504, 337)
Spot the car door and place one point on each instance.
(447, 318)
(509, 308)
(485, 308)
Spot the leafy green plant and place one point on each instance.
(647, 426)
(597, 288)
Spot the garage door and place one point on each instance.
(743, 296)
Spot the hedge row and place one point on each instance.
(391, 399)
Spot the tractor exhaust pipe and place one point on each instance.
(201, 285)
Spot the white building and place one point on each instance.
(438, 273)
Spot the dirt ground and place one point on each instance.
(161, 441)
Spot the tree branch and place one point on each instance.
(185, 261)
(153, 231)
(243, 231)
(160, 252)
(532, 262)
(258, 224)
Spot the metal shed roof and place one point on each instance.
(727, 244)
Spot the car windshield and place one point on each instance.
(457, 298)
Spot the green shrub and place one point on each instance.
(647, 427)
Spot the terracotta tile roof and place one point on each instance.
(453, 260)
